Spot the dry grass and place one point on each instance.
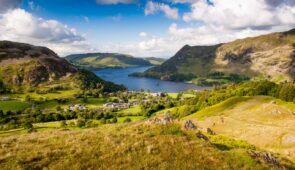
(262, 121)
(125, 146)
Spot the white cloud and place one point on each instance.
(143, 34)
(241, 14)
(112, 2)
(154, 7)
(21, 26)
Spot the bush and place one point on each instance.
(103, 121)
(28, 125)
(127, 120)
(114, 120)
(81, 122)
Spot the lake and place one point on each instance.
(120, 76)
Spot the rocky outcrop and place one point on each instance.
(267, 158)
(189, 125)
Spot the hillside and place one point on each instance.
(23, 67)
(107, 60)
(269, 56)
(265, 122)
(155, 61)
(120, 146)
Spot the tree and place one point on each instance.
(115, 120)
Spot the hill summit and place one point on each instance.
(24, 66)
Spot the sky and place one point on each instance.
(149, 28)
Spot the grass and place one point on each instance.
(265, 122)
(132, 118)
(124, 146)
(219, 108)
(132, 111)
(185, 95)
(13, 105)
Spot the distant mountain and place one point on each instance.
(270, 56)
(155, 61)
(107, 60)
(23, 66)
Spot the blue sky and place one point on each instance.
(140, 28)
(108, 23)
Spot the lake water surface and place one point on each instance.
(120, 76)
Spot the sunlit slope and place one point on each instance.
(126, 146)
(270, 56)
(262, 121)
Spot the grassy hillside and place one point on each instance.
(107, 60)
(24, 67)
(155, 61)
(122, 146)
(268, 56)
(265, 122)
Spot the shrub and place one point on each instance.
(127, 120)
(103, 121)
(114, 120)
(81, 122)
(28, 125)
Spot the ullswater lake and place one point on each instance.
(120, 76)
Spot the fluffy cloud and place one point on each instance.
(241, 14)
(111, 2)
(8, 4)
(154, 7)
(143, 34)
(19, 25)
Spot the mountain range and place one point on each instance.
(110, 60)
(270, 56)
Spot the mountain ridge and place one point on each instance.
(271, 56)
(24, 66)
(109, 60)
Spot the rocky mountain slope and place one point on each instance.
(24, 66)
(269, 56)
(106, 60)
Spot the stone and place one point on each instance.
(267, 158)
(189, 125)
(210, 131)
(200, 135)
(167, 118)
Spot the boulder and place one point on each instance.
(167, 118)
(267, 158)
(200, 135)
(189, 125)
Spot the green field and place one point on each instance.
(133, 111)
(13, 106)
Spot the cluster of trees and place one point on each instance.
(283, 91)
(156, 104)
